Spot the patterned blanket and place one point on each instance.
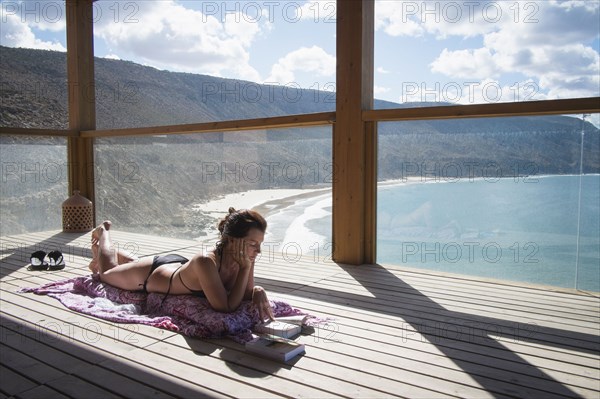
(187, 314)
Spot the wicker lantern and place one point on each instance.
(77, 214)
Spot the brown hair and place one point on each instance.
(237, 224)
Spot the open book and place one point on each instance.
(275, 347)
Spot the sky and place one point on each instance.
(464, 52)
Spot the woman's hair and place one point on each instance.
(237, 224)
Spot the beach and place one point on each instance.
(295, 216)
(270, 203)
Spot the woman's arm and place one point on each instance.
(212, 285)
(215, 291)
(250, 286)
(259, 297)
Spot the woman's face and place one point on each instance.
(253, 241)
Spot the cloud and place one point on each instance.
(382, 70)
(17, 28)
(167, 35)
(378, 90)
(470, 63)
(392, 18)
(306, 59)
(315, 10)
(543, 41)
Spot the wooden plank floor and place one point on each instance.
(398, 332)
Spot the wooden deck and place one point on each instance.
(397, 333)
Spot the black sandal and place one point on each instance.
(57, 261)
(37, 261)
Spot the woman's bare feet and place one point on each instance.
(97, 232)
(119, 256)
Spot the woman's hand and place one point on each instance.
(240, 253)
(260, 300)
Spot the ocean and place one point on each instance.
(537, 229)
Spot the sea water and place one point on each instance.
(537, 229)
(540, 230)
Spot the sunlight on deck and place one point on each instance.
(397, 332)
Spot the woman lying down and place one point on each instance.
(224, 276)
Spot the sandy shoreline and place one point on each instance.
(270, 201)
(264, 201)
(267, 202)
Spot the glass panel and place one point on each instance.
(496, 198)
(473, 52)
(181, 185)
(174, 62)
(34, 183)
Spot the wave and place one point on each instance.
(290, 225)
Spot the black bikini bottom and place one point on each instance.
(160, 260)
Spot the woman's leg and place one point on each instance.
(93, 266)
(122, 256)
(107, 256)
(129, 275)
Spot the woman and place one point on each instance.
(224, 276)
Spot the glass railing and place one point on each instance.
(181, 185)
(34, 183)
(507, 198)
(504, 198)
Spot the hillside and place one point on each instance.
(152, 182)
(34, 94)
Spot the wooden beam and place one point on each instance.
(529, 108)
(82, 98)
(18, 131)
(526, 108)
(316, 119)
(353, 187)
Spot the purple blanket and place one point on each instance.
(187, 314)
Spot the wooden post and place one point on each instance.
(82, 97)
(354, 141)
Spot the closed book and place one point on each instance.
(274, 347)
(296, 319)
(278, 328)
